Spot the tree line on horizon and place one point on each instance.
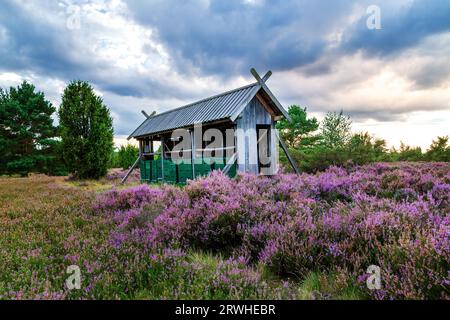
(82, 144)
(317, 145)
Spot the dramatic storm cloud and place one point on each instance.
(225, 37)
(160, 54)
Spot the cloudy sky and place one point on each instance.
(393, 81)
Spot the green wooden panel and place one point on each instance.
(170, 171)
(145, 170)
(151, 170)
(202, 169)
(156, 170)
(233, 171)
(184, 172)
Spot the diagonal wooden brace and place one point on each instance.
(131, 170)
(230, 162)
(288, 155)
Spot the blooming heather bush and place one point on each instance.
(234, 279)
(395, 216)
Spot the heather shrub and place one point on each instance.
(133, 270)
(341, 221)
(135, 197)
(233, 279)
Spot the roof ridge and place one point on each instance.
(204, 100)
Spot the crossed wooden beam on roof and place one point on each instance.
(260, 80)
(262, 84)
(148, 115)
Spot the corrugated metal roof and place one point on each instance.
(227, 105)
(214, 108)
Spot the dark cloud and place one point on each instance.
(402, 28)
(387, 113)
(431, 75)
(317, 69)
(383, 114)
(227, 37)
(33, 43)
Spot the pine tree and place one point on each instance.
(86, 131)
(127, 156)
(336, 130)
(439, 150)
(27, 134)
(299, 132)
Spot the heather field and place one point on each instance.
(285, 237)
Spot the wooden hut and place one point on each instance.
(245, 116)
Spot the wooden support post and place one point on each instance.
(151, 174)
(151, 148)
(193, 151)
(162, 158)
(274, 151)
(240, 145)
(141, 152)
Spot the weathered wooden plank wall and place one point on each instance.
(246, 141)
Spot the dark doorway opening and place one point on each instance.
(263, 146)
